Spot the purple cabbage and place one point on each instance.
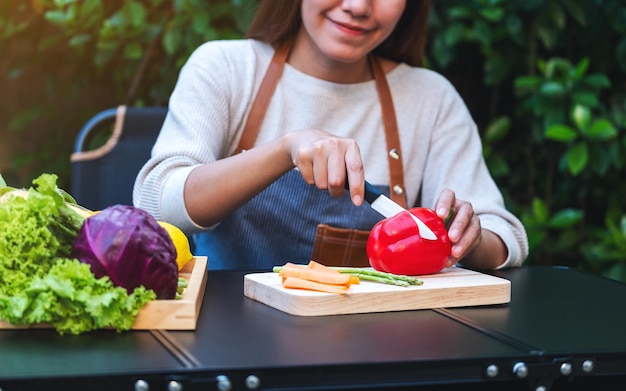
(130, 247)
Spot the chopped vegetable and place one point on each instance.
(316, 277)
(300, 283)
(130, 247)
(322, 276)
(318, 266)
(395, 245)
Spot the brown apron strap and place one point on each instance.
(394, 156)
(266, 90)
(263, 97)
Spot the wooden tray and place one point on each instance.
(181, 314)
(454, 287)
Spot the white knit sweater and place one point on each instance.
(207, 111)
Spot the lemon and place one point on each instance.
(181, 243)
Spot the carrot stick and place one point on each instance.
(314, 265)
(290, 265)
(318, 266)
(316, 275)
(299, 283)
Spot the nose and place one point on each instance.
(358, 8)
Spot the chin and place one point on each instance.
(346, 54)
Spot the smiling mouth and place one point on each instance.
(351, 29)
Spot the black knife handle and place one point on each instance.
(371, 193)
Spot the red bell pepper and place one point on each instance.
(395, 245)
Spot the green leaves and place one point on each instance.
(75, 16)
(581, 115)
(562, 133)
(554, 231)
(64, 60)
(566, 218)
(601, 130)
(134, 13)
(73, 301)
(580, 138)
(480, 22)
(556, 143)
(562, 81)
(563, 88)
(172, 37)
(577, 157)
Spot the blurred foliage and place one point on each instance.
(546, 82)
(62, 61)
(544, 79)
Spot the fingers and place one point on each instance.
(356, 177)
(326, 161)
(319, 160)
(335, 169)
(464, 231)
(310, 155)
(464, 213)
(465, 239)
(445, 203)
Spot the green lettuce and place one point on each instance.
(40, 282)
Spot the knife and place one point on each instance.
(388, 208)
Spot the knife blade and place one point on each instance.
(388, 208)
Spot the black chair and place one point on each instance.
(106, 175)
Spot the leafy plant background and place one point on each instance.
(544, 79)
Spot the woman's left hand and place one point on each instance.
(464, 229)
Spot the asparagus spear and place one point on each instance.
(382, 280)
(381, 275)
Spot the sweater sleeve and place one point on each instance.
(455, 161)
(200, 127)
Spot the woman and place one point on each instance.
(323, 125)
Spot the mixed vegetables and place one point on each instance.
(78, 273)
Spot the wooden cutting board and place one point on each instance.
(454, 287)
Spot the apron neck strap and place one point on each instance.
(263, 97)
(268, 86)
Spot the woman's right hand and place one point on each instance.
(324, 160)
(214, 190)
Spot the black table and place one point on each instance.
(563, 330)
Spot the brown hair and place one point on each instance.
(278, 21)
